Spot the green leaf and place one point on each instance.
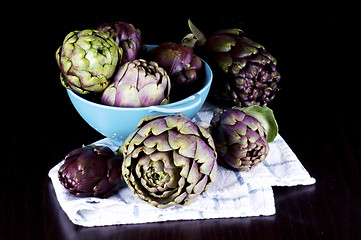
(197, 33)
(265, 116)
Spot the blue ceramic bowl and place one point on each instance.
(116, 123)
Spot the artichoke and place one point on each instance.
(245, 74)
(241, 139)
(180, 63)
(139, 83)
(87, 60)
(126, 36)
(91, 171)
(169, 160)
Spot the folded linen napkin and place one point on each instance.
(234, 194)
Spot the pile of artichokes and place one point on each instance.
(169, 159)
(106, 62)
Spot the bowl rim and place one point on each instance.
(169, 105)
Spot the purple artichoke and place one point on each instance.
(91, 171)
(181, 65)
(245, 73)
(126, 36)
(241, 139)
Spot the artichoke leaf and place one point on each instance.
(186, 144)
(197, 33)
(183, 162)
(203, 155)
(265, 116)
(160, 142)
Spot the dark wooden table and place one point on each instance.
(317, 110)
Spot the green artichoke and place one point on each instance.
(169, 160)
(126, 36)
(240, 138)
(245, 74)
(139, 83)
(91, 171)
(87, 60)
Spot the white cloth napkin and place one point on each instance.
(234, 194)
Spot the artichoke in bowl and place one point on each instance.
(139, 83)
(87, 60)
(181, 65)
(169, 160)
(241, 136)
(126, 36)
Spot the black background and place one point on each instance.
(316, 109)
